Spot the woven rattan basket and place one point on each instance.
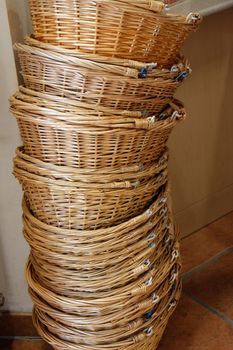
(135, 68)
(130, 29)
(72, 326)
(60, 138)
(54, 331)
(94, 267)
(86, 206)
(104, 241)
(59, 75)
(102, 303)
(134, 311)
(100, 306)
(83, 112)
(112, 177)
(75, 283)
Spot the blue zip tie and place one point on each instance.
(142, 72)
(173, 288)
(182, 76)
(149, 314)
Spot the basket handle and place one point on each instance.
(30, 40)
(80, 62)
(153, 5)
(193, 18)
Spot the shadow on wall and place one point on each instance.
(20, 24)
(202, 147)
(17, 35)
(3, 278)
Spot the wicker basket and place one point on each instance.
(110, 235)
(87, 245)
(92, 274)
(94, 267)
(100, 323)
(83, 112)
(50, 138)
(113, 299)
(54, 74)
(74, 205)
(72, 326)
(104, 241)
(140, 310)
(76, 283)
(113, 28)
(62, 336)
(112, 177)
(114, 318)
(99, 307)
(135, 69)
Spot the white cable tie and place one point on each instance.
(155, 298)
(163, 200)
(149, 331)
(151, 236)
(147, 262)
(148, 283)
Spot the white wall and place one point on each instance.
(13, 249)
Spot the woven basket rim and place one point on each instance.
(139, 218)
(60, 118)
(131, 172)
(24, 170)
(125, 68)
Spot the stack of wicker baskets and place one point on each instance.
(95, 113)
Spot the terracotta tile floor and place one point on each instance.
(204, 318)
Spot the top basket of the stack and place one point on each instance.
(134, 29)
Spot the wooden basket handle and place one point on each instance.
(152, 5)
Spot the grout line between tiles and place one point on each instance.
(209, 308)
(207, 263)
(20, 337)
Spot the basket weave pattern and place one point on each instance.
(136, 33)
(95, 86)
(95, 115)
(88, 146)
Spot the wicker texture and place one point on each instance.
(74, 205)
(79, 204)
(81, 112)
(136, 33)
(125, 314)
(102, 318)
(134, 68)
(95, 115)
(59, 75)
(123, 323)
(112, 177)
(117, 255)
(61, 336)
(49, 138)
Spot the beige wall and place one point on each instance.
(13, 249)
(201, 163)
(19, 19)
(202, 148)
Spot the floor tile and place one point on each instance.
(24, 345)
(214, 285)
(207, 242)
(224, 224)
(16, 325)
(194, 328)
